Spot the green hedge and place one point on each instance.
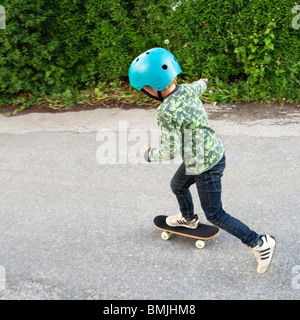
(248, 49)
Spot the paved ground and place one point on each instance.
(73, 228)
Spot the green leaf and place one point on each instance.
(267, 41)
(267, 59)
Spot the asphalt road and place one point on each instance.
(73, 227)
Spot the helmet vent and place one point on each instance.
(164, 67)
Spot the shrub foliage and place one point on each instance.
(247, 48)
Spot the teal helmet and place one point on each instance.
(156, 68)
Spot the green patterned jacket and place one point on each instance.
(185, 130)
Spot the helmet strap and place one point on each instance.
(159, 98)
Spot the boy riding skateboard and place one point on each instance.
(185, 130)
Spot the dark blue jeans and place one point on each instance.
(209, 190)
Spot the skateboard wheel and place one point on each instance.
(165, 235)
(200, 244)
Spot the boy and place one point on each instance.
(185, 129)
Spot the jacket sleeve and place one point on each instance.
(199, 86)
(170, 140)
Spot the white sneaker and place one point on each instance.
(179, 221)
(264, 253)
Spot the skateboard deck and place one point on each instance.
(202, 233)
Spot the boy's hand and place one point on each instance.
(205, 80)
(145, 149)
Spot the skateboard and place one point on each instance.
(202, 233)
